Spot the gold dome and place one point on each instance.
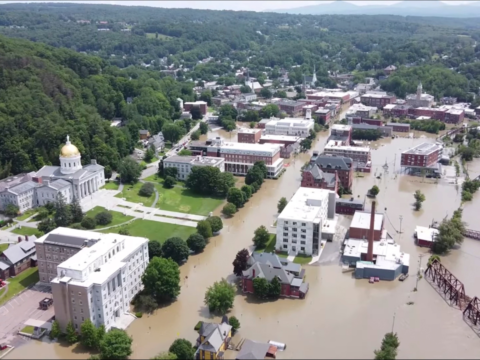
(69, 150)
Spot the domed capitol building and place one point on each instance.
(70, 179)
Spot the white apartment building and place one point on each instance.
(289, 126)
(299, 226)
(356, 153)
(100, 280)
(184, 164)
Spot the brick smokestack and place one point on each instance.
(371, 234)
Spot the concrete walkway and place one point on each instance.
(317, 257)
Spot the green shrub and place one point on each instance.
(139, 314)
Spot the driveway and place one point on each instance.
(15, 312)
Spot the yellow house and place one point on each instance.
(213, 340)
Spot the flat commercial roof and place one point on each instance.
(281, 138)
(389, 254)
(341, 127)
(423, 149)
(425, 234)
(305, 204)
(248, 131)
(332, 145)
(361, 220)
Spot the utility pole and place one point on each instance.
(393, 324)
(401, 218)
(419, 267)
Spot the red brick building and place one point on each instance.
(18, 258)
(424, 155)
(313, 177)
(269, 266)
(449, 116)
(399, 127)
(360, 226)
(201, 104)
(250, 136)
(341, 166)
(359, 120)
(323, 115)
(377, 100)
(291, 107)
(348, 206)
(396, 110)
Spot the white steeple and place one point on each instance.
(314, 77)
(419, 90)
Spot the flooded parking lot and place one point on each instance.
(340, 317)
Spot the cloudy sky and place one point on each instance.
(258, 5)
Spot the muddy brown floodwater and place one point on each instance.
(340, 317)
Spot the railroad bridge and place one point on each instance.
(468, 233)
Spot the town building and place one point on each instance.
(200, 104)
(342, 166)
(348, 206)
(448, 100)
(399, 127)
(356, 153)
(253, 350)
(240, 157)
(18, 257)
(268, 266)
(324, 115)
(249, 97)
(360, 110)
(99, 281)
(446, 113)
(184, 164)
(157, 142)
(377, 99)
(330, 94)
(425, 155)
(291, 107)
(360, 226)
(300, 225)
(250, 136)
(289, 144)
(420, 99)
(396, 110)
(289, 126)
(384, 130)
(341, 134)
(360, 120)
(425, 236)
(144, 134)
(390, 69)
(70, 179)
(314, 177)
(213, 340)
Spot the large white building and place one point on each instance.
(356, 153)
(100, 280)
(299, 226)
(70, 179)
(184, 164)
(289, 126)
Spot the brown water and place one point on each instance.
(340, 317)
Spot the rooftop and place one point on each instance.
(326, 161)
(377, 95)
(195, 160)
(387, 251)
(426, 233)
(305, 205)
(361, 220)
(332, 144)
(423, 149)
(281, 138)
(248, 131)
(398, 124)
(339, 127)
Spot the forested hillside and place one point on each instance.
(47, 93)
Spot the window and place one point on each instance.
(285, 234)
(302, 242)
(303, 236)
(294, 229)
(303, 224)
(285, 228)
(294, 223)
(302, 248)
(294, 235)
(285, 246)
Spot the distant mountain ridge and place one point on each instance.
(404, 8)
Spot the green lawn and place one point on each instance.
(154, 230)
(111, 185)
(28, 329)
(130, 193)
(117, 217)
(26, 214)
(3, 247)
(27, 231)
(153, 178)
(270, 245)
(160, 36)
(19, 283)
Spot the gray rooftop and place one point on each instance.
(423, 149)
(215, 335)
(349, 201)
(21, 250)
(143, 132)
(65, 240)
(267, 272)
(333, 162)
(364, 127)
(318, 174)
(26, 186)
(59, 184)
(398, 124)
(253, 350)
(55, 172)
(15, 180)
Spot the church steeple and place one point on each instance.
(419, 90)
(314, 77)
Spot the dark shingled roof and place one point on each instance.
(253, 350)
(333, 162)
(318, 174)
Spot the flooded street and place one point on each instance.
(340, 317)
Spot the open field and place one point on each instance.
(117, 217)
(130, 193)
(27, 231)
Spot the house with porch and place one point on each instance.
(18, 258)
(213, 340)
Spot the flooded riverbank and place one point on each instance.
(340, 317)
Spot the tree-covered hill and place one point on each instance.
(47, 93)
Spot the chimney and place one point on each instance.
(19, 239)
(253, 273)
(372, 234)
(93, 162)
(26, 237)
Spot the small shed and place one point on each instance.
(425, 236)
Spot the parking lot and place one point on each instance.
(14, 313)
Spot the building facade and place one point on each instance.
(399, 127)
(348, 206)
(360, 226)
(424, 155)
(18, 257)
(420, 99)
(250, 136)
(200, 104)
(289, 127)
(356, 153)
(313, 177)
(99, 281)
(289, 144)
(299, 226)
(184, 164)
(342, 166)
(378, 100)
(291, 107)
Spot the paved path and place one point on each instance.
(156, 198)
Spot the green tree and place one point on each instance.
(261, 237)
(116, 345)
(161, 279)
(196, 113)
(55, 332)
(204, 228)
(234, 323)
(262, 167)
(165, 356)
(450, 233)
(282, 203)
(176, 249)
(195, 135)
(183, 349)
(252, 125)
(146, 190)
(103, 218)
(172, 132)
(46, 225)
(154, 249)
(76, 210)
(432, 258)
(149, 155)
(146, 303)
(236, 197)
(12, 210)
(184, 152)
(265, 93)
(71, 334)
(203, 128)
(63, 216)
(196, 243)
(89, 223)
(270, 110)
(254, 175)
(240, 264)
(170, 171)
(108, 172)
(229, 209)
(245, 89)
(129, 170)
(215, 223)
(219, 297)
(419, 199)
(388, 350)
(169, 182)
(374, 190)
(260, 287)
(306, 144)
(274, 288)
(89, 337)
(247, 191)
